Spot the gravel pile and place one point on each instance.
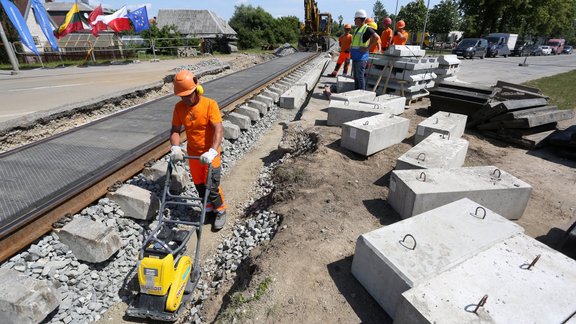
(285, 49)
(211, 66)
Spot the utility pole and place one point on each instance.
(425, 23)
(9, 50)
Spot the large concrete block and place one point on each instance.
(294, 97)
(441, 122)
(340, 112)
(262, 107)
(252, 113)
(370, 135)
(435, 151)
(157, 173)
(516, 292)
(393, 104)
(354, 95)
(450, 59)
(136, 202)
(344, 84)
(24, 299)
(231, 131)
(395, 258)
(243, 121)
(415, 191)
(90, 241)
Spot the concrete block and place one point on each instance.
(24, 299)
(231, 131)
(406, 51)
(157, 173)
(237, 118)
(136, 202)
(264, 99)
(448, 70)
(344, 84)
(450, 59)
(405, 63)
(544, 293)
(354, 95)
(340, 112)
(415, 191)
(406, 75)
(395, 258)
(252, 113)
(90, 241)
(269, 93)
(277, 90)
(262, 107)
(441, 122)
(294, 97)
(435, 151)
(370, 135)
(393, 104)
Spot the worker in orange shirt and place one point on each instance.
(400, 36)
(202, 122)
(376, 48)
(387, 34)
(345, 41)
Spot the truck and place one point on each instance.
(500, 44)
(316, 30)
(557, 45)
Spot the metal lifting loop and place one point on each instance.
(476, 212)
(366, 123)
(436, 122)
(448, 115)
(534, 262)
(347, 102)
(494, 173)
(422, 175)
(423, 157)
(444, 135)
(404, 239)
(480, 304)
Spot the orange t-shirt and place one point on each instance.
(345, 42)
(374, 48)
(398, 40)
(386, 37)
(198, 122)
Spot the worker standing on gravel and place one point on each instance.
(345, 41)
(400, 36)
(202, 122)
(387, 34)
(363, 38)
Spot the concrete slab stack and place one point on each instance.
(519, 279)
(395, 258)
(450, 124)
(448, 66)
(415, 191)
(370, 135)
(340, 112)
(435, 151)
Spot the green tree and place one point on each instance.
(165, 38)
(413, 14)
(287, 29)
(444, 17)
(379, 12)
(340, 19)
(254, 26)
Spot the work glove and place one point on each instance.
(209, 156)
(176, 153)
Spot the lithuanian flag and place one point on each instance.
(71, 24)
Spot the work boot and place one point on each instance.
(219, 220)
(333, 74)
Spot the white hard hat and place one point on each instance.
(361, 13)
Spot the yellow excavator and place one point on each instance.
(316, 29)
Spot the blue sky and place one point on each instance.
(225, 8)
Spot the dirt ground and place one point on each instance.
(331, 196)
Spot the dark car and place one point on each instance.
(521, 49)
(567, 49)
(471, 47)
(535, 50)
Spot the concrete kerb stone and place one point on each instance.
(435, 151)
(231, 131)
(243, 121)
(416, 191)
(269, 101)
(370, 135)
(262, 107)
(24, 299)
(157, 173)
(397, 257)
(90, 241)
(517, 291)
(441, 122)
(252, 113)
(135, 202)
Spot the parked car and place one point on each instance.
(471, 47)
(567, 49)
(521, 49)
(546, 50)
(536, 50)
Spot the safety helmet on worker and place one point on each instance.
(372, 25)
(360, 13)
(387, 21)
(400, 24)
(184, 83)
(369, 20)
(347, 26)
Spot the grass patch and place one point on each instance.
(560, 89)
(236, 309)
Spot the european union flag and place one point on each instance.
(139, 18)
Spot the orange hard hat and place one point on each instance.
(368, 20)
(387, 21)
(347, 26)
(184, 83)
(400, 24)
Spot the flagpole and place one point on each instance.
(9, 50)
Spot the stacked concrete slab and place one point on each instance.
(450, 124)
(416, 191)
(435, 151)
(395, 258)
(448, 67)
(301, 86)
(370, 135)
(519, 279)
(340, 112)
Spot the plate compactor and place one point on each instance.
(167, 276)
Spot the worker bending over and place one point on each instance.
(345, 42)
(400, 36)
(202, 122)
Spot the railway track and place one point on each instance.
(58, 176)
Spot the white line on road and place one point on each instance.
(50, 87)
